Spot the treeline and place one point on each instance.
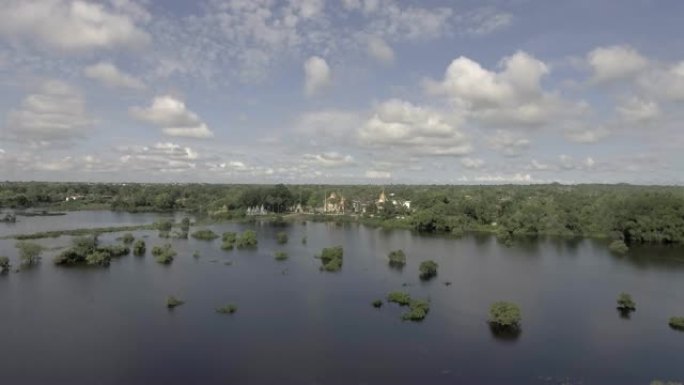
(633, 214)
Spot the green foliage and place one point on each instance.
(618, 247)
(164, 254)
(229, 240)
(139, 248)
(505, 315)
(29, 253)
(205, 235)
(247, 239)
(304, 240)
(281, 237)
(398, 297)
(98, 258)
(280, 256)
(331, 258)
(428, 269)
(115, 250)
(377, 303)
(128, 238)
(677, 323)
(164, 225)
(658, 382)
(227, 309)
(196, 254)
(397, 258)
(625, 302)
(172, 302)
(86, 250)
(418, 309)
(185, 225)
(4, 264)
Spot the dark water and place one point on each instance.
(296, 325)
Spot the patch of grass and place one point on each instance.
(205, 235)
(280, 256)
(227, 309)
(172, 302)
(78, 232)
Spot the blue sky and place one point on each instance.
(344, 91)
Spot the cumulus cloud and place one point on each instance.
(55, 112)
(109, 75)
(472, 163)
(486, 20)
(316, 75)
(584, 133)
(377, 174)
(636, 110)
(173, 117)
(511, 96)
(379, 50)
(508, 143)
(336, 124)
(329, 159)
(163, 157)
(420, 130)
(71, 25)
(615, 62)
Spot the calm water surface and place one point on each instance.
(297, 325)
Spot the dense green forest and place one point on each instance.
(633, 214)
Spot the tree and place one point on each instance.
(397, 259)
(504, 315)
(400, 298)
(29, 253)
(139, 248)
(428, 269)
(247, 239)
(625, 303)
(618, 247)
(128, 238)
(331, 258)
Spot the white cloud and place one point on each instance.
(508, 143)
(486, 20)
(108, 74)
(583, 133)
(69, 25)
(173, 116)
(317, 75)
(379, 50)
(615, 62)
(56, 112)
(512, 96)
(163, 156)
(472, 163)
(329, 159)
(421, 130)
(377, 174)
(636, 110)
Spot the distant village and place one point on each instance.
(335, 203)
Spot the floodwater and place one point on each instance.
(298, 325)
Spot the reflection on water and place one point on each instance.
(298, 325)
(505, 335)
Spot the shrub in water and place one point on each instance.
(139, 248)
(229, 239)
(677, 323)
(377, 303)
(228, 309)
(4, 264)
(399, 297)
(397, 258)
(280, 255)
(163, 254)
(618, 247)
(172, 302)
(281, 237)
(247, 239)
(504, 315)
(205, 235)
(331, 258)
(29, 253)
(418, 309)
(626, 303)
(428, 269)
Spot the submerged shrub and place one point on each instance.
(247, 239)
(4, 264)
(29, 253)
(115, 250)
(504, 315)
(98, 258)
(397, 258)
(280, 255)
(418, 309)
(331, 258)
(618, 247)
(304, 240)
(625, 302)
(281, 237)
(377, 303)
(428, 269)
(128, 238)
(139, 248)
(229, 239)
(163, 254)
(205, 235)
(227, 309)
(398, 297)
(677, 323)
(164, 225)
(172, 302)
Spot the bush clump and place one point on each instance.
(428, 269)
(128, 238)
(397, 259)
(139, 248)
(163, 254)
(377, 303)
(418, 310)
(229, 239)
(205, 235)
(626, 303)
(331, 258)
(227, 309)
(247, 239)
(4, 264)
(400, 298)
(504, 315)
(677, 323)
(280, 256)
(618, 247)
(86, 250)
(281, 237)
(172, 302)
(29, 253)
